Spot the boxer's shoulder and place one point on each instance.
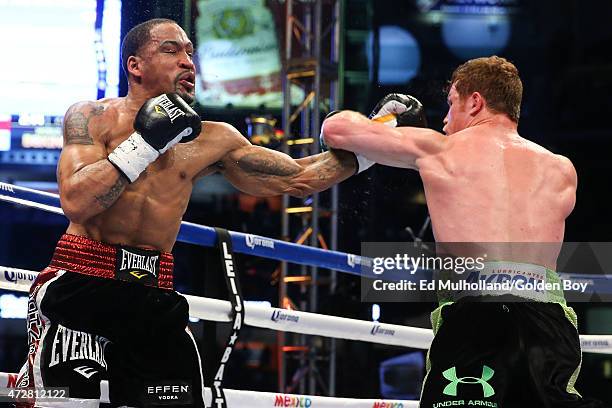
(542, 153)
(98, 120)
(222, 135)
(566, 169)
(554, 165)
(88, 111)
(218, 129)
(463, 139)
(98, 107)
(84, 109)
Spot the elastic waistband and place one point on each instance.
(89, 257)
(497, 278)
(527, 270)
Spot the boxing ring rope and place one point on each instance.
(280, 319)
(259, 316)
(191, 233)
(298, 322)
(264, 247)
(268, 317)
(303, 322)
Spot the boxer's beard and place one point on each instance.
(188, 97)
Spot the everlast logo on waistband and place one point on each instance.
(131, 260)
(137, 265)
(172, 111)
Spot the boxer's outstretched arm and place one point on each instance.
(88, 182)
(397, 147)
(265, 172)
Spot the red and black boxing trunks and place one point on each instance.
(108, 312)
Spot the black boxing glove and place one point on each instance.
(398, 110)
(363, 163)
(160, 123)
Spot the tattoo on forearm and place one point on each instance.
(107, 199)
(329, 170)
(262, 166)
(336, 164)
(76, 123)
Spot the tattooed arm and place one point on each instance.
(264, 172)
(88, 182)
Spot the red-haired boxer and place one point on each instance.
(486, 184)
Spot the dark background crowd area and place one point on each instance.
(563, 52)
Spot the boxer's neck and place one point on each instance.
(493, 119)
(136, 97)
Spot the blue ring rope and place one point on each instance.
(206, 236)
(264, 247)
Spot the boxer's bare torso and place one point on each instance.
(488, 184)
(484, 183)
(102, 205)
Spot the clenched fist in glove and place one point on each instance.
(160, 123)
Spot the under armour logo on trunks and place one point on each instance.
(137, 265)
(451, 375)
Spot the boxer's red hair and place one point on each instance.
(496, 79)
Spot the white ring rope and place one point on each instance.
(241, 399)
(44, 207)
(275, 318)
(304, 322)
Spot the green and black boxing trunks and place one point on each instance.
(504, 351)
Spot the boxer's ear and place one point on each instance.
(475, 103)
(134, 66)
